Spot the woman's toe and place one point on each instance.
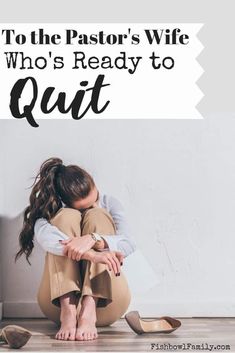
(66, 335)
(57, 335)
(72, 336)
(79, 336)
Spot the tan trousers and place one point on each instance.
(62, 275)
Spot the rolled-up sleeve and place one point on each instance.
(123, 240)
(48, 236)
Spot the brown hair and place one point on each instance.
(55, 183)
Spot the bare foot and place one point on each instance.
(68, 318)
(86, 328)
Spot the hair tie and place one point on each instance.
(60, 168)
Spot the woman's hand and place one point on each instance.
(113, 259)
(74, 248)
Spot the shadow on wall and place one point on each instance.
(19, 281)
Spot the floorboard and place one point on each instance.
(120, 338)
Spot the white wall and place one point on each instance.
(1, 208)
(177, 182)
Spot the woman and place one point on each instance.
(85, 236)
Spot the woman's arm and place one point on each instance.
(122, 241)
(48, 236)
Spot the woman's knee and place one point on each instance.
(68, 220)
(66, 214)
(95, 211)
(96, 215)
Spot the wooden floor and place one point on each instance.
(120, 338)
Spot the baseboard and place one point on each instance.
(145, 308)
(22, 310)
(0, 311)
(213, 308)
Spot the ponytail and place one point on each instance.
(44, 203)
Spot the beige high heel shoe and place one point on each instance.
(164, 324)
(15, 336)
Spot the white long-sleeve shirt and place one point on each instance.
(48, 236)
